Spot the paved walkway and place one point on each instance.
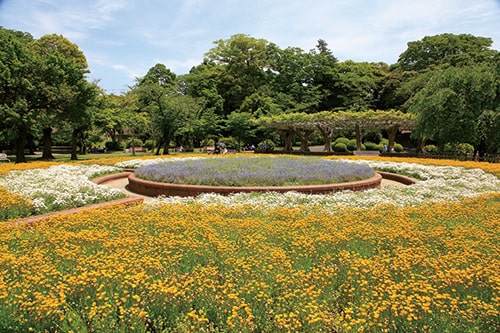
(122, 183)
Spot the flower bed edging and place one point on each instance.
(37, 218)
(405, 180)
(153, 189)
(112, 176)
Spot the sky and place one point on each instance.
(122, 39)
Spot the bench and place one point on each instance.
(3, 157)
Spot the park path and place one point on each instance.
(121, 184)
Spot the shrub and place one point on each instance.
(464, 148)
(372, 146)
(398, 147)
(460, 148)
(431, 149)
(342, 140)
(266, 146)
(340, 147)
(113, 146)
(135, 142)
(351, 145)
(372, 136)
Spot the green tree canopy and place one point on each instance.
(448, 108)
(456, 50)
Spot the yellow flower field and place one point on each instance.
(198, 268)
(187, 268)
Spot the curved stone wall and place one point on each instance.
(153, 189)
(405, 180)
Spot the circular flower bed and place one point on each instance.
(254, 171)
(250, 174)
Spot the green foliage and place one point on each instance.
(458, 148)
(448, 108)
(398, 147)
(431, 149)
(113, 146)
(149, 144)
(230, 142)
(351, 145)
(242, 126)
(372, 146)
(487, 128)
(457, 50)
(373, 136)
(266, 146)
(342, 140)
(340, 147)
(134, 142)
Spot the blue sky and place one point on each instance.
(122, 39)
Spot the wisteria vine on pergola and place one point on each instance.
(329, 123)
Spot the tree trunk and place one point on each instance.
(304, 138)
(47, 144)
(158, 147)
(327, 138)
(391, 132)
(358, 138)
(165, 148)
(74, 135)
(420, 145)
(287, 137)
(21, 143)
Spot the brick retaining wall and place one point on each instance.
(153, 189)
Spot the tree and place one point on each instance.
(291, 76)
(153, 90)
(325, 74)
(455, 50)
(173, 115)
(448, 108)
(18, 92)
(61, 70)
(243, 60)
(241, 126)
(359, 84)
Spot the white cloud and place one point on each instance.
(121, 38)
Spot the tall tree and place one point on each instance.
(455, 50)
(153, 90)
(325, 75)
(359, 84)
(292, 80)
(448, 108)
(244, 60)
(62, 86)
(18, 92)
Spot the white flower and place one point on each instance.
(438, 184)
(61, 186)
